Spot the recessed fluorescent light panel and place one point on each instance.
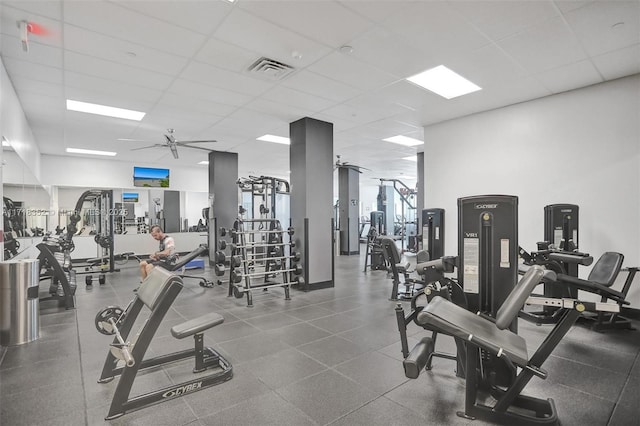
(275, 139)
(444, 82)
(90, 152)
(411, 158)
(403, 140)
(104, 110)
(205, 162)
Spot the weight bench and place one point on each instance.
(405, 288)
(157, 292)
(182, 262)
(490, 338)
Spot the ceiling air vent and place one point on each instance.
(271, 69)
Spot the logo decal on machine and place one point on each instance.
(486, 206)
(182, 390)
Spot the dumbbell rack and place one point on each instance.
(259, 258)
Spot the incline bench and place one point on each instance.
(157, 292)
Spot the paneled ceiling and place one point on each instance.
(185, 64)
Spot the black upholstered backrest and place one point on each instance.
(156, 283)
(391, 250)
(515, 301)
(606, 269)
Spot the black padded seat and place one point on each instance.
(196, 325)
(459, 322)
(601, 278)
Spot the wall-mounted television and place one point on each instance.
(150, 177)
(130, 197)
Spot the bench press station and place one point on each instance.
(157, 292)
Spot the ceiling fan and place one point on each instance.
(172, 143)
(346, 165)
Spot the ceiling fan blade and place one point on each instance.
(174, 151)
(197, 147)
(157, 145)
(188, 142)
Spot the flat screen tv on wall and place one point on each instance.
(130, 197)
(150, 177)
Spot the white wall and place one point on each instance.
(580, 147)
(15, 127)
(99, 173)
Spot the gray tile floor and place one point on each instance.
(330, 356)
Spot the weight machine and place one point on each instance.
(94, 209)
(265, 197)
(407, 224)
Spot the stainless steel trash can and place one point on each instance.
(19, 303)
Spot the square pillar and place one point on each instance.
(349, 195)
(223, 196)
(311, 163)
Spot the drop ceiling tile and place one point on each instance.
(339, 124)
(486, 65)
(115, 89)
(27, 85)
(499, 19)
(46, 8)
(170, 117)
(225, 55)
(208, 93)
(189, 103)
(619, 63)
(297, 99)
(569, 5)
(318, 85)
(119, 22)
(117, 100)
(352, 72)
(32, 71)
(544, 47)
(270, 40)
(376, 11)
(606, 26)
(326, 22)
(435, 29)
(197, 16)
(409, 96)
(569, 77)
(38, 53)
(114, 71)
(386, 50)
(364, 109)
(212, 76)
(121, 51)
(280, 113)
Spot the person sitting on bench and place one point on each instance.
(165, 256)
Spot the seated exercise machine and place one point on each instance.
(600, 280)
(436, 284)
(403, 288)
(127, 357)
(488, 338)
(561, 262)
